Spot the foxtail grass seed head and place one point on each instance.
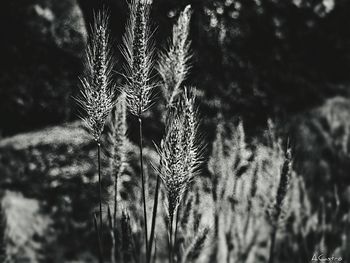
(138, 52)
(174, 61)
(96, 93)
(179, 151)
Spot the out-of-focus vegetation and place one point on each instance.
(255, 58)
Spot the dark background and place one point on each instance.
(254, 59)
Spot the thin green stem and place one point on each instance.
(154, 217)
(143, 186)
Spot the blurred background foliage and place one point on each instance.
(253, 60)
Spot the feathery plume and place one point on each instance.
(96, 94)
(174, 62)
(138, 53)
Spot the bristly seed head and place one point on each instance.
(173, 65)
(179, 151)
(138, 54)
(96, 94)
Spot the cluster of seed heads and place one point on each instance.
(174, 62)
(138, 53)
(97, 94)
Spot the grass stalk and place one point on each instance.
(143, 186)
(154, 217)
(115, 201)
(99, 183)
(171, 247)
(176, 227)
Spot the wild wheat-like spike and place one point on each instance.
(138, 52)
(180, 152)
(96, 94)
(174, 62)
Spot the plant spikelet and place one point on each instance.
(96, 94)
(138, 52)
(180, 152)
(174, 62)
